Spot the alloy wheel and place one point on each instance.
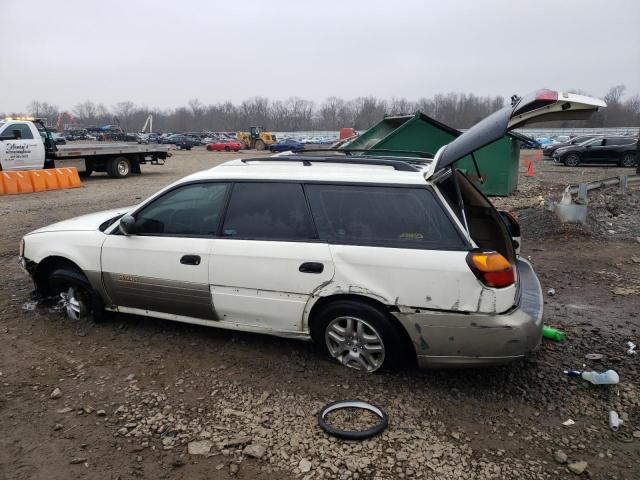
(355, 343)
(76, 305)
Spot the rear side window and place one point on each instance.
(386, 216)
(268, 211)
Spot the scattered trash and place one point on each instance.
(29, 306)
(551, 292)
(568, 423)
(352, 435)
(594, 356)
(553, 333)
(610, 377)
(625, 291)
(614, 420)
(631, 348)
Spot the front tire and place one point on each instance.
(260, 145)
(628, 160)
(81, 300)
(572, 160)
(358, 335)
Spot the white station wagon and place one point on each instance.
(377, 259)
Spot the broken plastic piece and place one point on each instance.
(631, 348)
(614, 421)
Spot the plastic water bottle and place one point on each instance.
(610, 377)
(553, 333)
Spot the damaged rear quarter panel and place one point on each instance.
(431, 279)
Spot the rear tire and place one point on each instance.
(119, 167)
(358, 335)
(572, 160)
(628, 160)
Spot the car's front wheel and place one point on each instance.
(358, 335)
(628, 160)
(572, 160)
(81, 301)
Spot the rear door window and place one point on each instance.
(268, 211)
(382, 216)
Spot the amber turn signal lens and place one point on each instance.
(491, 268)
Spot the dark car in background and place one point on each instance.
(183, 142)
(617, 150)
(548, 150)
(287, 145)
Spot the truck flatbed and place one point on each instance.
(92, 149)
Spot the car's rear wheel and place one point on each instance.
(572, 160)
(628, 160)
(119, 167)
(357, 335)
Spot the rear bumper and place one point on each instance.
(473, 339)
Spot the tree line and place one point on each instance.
(460, 110)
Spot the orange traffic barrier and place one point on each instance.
(74, 178)
(50, 180)
(538, 155)
(14, 182)
(10, 184)
(38, 182)
(63, 177)
(22, 179)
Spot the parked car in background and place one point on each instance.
(58, 138)
(621, 151)
(561, 138)
(183, 142)
(224, 145)
(378, 260)
(287, 145)
(548, 150)
(544, 141)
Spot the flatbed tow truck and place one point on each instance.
(27, 144)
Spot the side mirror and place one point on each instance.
(128, 224)
(17, 134)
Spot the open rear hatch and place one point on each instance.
(540, 106)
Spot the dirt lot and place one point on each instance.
(134, 391)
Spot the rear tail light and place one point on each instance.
(491, 268)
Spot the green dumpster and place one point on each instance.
(498, 162)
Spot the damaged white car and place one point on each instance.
(377, 259)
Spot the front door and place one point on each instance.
(268, 260)
(164, 266)
(23, 153)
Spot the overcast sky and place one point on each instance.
(163, 54)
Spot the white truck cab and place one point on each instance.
(21, 145)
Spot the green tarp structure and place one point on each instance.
(498, 162)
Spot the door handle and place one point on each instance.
(190, 260)
(311, 267)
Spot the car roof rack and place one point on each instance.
(400, 165)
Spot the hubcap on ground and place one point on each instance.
(76, 308)
(123, 168)
(355, 343)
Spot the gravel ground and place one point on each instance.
(136, 397)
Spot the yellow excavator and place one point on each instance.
(256, 138)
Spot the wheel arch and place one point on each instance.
(46, 266)
(312, 313)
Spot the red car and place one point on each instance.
(226, 145)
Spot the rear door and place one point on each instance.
(269, 259)
(540, 106)
(595, 151)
